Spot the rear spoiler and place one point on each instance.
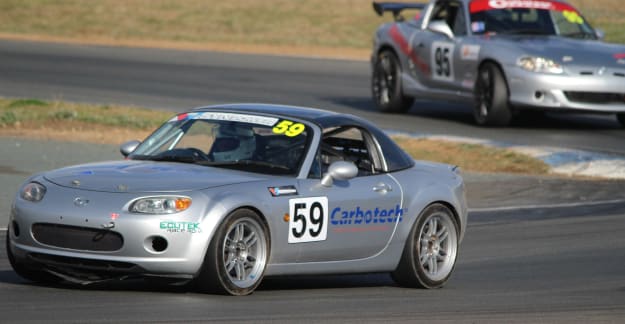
(396, 8)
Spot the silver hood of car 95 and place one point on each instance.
(145, 176)
(572, 52)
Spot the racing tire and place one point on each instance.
(237, 256)
(621, 119)
(491, 106)
(386, 85)
(26, 272)
(429, 256)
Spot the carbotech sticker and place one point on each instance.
(357, 216)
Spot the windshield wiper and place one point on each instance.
(167, 158)
(251, 163)
(581, 34)
(526, 32)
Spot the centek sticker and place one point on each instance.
(308, 221)
(180, 227)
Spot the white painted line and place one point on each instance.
(548, 206)
(3, 228)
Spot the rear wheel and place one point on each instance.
(237, 255)
(386, 85)
(621, 119)
(491, 107)
(430, 252)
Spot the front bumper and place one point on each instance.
(55, 234)
(603, 93)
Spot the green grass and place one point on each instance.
(335, 24)
(51, 117)
(23, 111)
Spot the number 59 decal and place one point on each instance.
(442, 61)
(309, 219)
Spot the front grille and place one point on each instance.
(85, 264)
(595, 97)
(77, 238)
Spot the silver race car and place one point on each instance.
(225, 195)
(503, 56)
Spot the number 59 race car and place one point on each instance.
(221, 196)
(503, 56)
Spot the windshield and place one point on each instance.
(229, 140)
(533, 17)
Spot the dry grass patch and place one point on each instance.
(314, 27)
(472, 157)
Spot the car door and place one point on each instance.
(443, 53)
(351, 219)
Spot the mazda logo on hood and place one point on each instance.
(81, 201)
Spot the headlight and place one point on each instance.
(160, 205)
(33, 191)
(539, 64)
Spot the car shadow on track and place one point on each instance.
(9, 277)
(327, 281)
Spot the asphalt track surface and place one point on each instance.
(179, 80)
(560, 259)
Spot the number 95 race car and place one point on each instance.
(222, 196)
(503, 56)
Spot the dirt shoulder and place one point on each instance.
(343, 53)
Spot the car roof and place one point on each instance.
(396, 158)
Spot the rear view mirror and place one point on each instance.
(441, 27)
(339, 170)
(128, 147)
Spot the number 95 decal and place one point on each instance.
(442, 61)
(309, 219)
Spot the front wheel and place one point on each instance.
(491, 107)
(430, 252)
(386, 85)
(237, 256)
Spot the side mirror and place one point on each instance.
(599, 33)
(441, 27)
(339, 170)
(128, 147)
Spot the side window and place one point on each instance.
(349, 144)
(453, 15)
(459, 26)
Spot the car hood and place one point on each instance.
(569, 51)
(146, 176)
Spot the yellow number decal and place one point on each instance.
(295, 130)
(282, 127)
(289, 128)
(573, 17)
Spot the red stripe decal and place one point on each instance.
(400, 40)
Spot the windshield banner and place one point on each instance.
(482, 5)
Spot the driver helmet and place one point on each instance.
(233, 142)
